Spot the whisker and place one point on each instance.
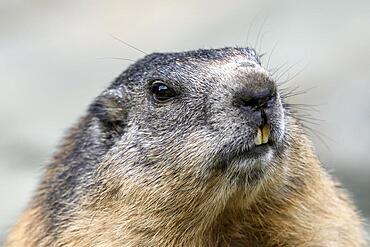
(117, 58)
(294, 92)
(262, 55)
(261, 40)
(129, 45)
(306, 119)
(259, 33)
(286, 71)
(292, 78)
(303, 114)
(303, 110)
(304, 106)
(249, 30)
(272, 51)
(318, 134)
(275, 70)
(288, 90)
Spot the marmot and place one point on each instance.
(194, 148)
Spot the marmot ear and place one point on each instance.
(109, 107)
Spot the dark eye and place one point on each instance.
(161, 92)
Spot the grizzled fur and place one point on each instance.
(136, 172)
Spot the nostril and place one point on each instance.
(257, 96)
(251, 102)
(256, 102)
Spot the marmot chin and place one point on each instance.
(194, 148)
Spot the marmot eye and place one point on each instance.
(161, 92)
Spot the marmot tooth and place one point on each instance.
(265, 134)
(259, 138)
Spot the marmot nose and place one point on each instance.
(256, 98)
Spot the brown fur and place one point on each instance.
(225, 216)
(298, 204)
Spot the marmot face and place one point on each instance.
(189, 149)
(201, 113)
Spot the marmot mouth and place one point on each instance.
(255, 153)
(260, 148)
(263, 144)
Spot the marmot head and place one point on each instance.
(202, 113)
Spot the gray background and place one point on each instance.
(51, 69)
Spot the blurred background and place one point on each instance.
(53, 62)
